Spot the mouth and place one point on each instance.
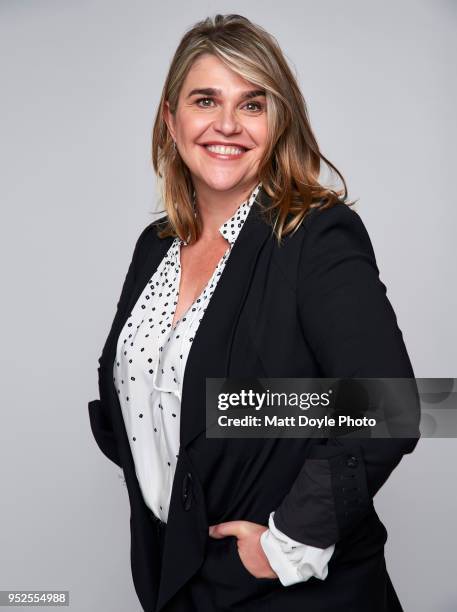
(225, 152)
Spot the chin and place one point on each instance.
(225, 183)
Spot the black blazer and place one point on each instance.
(314, 307)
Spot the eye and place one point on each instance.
(197, 102)
(259, 106)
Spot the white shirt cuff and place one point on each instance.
(291, 560)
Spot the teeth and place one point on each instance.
(224, 150)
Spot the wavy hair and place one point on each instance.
(290, 168)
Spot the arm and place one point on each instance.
(100, 420)
(352, 330)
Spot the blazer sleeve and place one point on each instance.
(352, 330)
(99, 416)
(103, 432)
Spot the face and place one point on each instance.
(220, 127)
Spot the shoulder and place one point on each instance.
(339, 213)
(146, 240)
(150, 232)
(338, 227)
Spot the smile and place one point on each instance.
(223, 152)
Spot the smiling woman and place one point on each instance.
(229, 85)
(256, 270)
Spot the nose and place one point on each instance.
(227, 121)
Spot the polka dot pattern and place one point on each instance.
(150, 362)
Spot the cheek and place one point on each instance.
(191, 127)
(259, 132)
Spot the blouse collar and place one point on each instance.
(232, 227)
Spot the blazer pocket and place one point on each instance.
(102, 432)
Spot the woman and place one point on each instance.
(255, 270)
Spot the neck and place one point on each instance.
(215, 207)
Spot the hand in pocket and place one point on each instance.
(248, 545)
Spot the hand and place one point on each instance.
(248, 544)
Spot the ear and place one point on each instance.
(169, 119)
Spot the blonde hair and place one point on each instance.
(290, 168)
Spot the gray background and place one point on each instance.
(80, 83)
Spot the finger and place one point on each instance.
(229, 528)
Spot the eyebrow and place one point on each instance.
(211, 91)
